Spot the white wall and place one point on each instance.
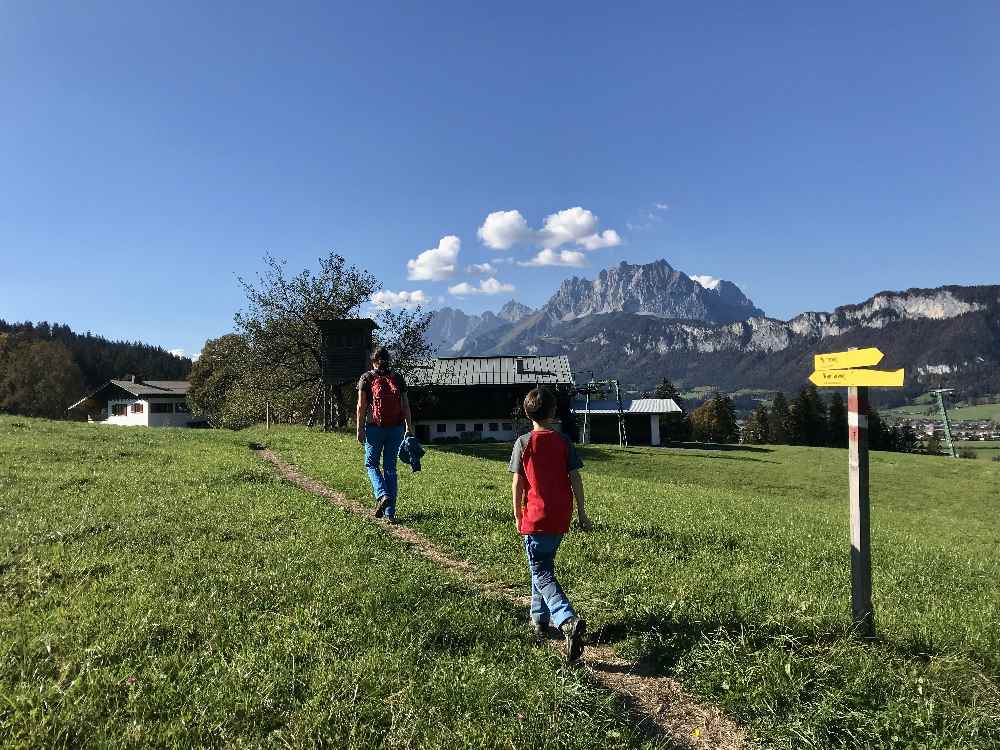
(452, 431)
(134, 420)
(147, 418)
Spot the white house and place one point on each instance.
(140, 403)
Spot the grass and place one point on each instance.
(730, 570)
(985, 450)
(160, 588)
(955, 413)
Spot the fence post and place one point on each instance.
(861, 554)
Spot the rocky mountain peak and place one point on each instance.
(650, 289)
(513, 311)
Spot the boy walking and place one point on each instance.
(546, 471)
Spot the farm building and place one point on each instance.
(136, 402)
(477, 398)
(642, 419)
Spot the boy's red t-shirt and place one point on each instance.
(545, 458)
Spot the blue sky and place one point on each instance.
(151, 153)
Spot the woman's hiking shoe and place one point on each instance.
(573, 631)
(383, 503)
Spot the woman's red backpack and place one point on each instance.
(387, 400)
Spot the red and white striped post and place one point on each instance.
(861, 553)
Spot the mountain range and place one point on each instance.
(640, 323)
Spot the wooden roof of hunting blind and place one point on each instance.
(515, 370)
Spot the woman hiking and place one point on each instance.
(383, 420)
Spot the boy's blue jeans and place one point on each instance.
(382, 446)
(548, 602)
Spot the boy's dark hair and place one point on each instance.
(381, 354)
(540, 404)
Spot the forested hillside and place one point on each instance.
(45, 367)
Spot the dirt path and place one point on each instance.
(661, 705)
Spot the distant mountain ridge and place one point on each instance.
(641, 323)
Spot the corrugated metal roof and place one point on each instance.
(630, 406)
(525, 370)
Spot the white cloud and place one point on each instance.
(662, 206)
(504, 229)
(385, 299)
(177, 352)
(437, 263)
(572, 226)
(486, 286)
(607, 238)
(481, 268)
(569, 225)
(709, 282)
(548, 257)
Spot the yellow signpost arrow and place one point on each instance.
(844, 360)
(858, 377)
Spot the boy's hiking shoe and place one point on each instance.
(540, 628)
(380, 508)
(573, 630)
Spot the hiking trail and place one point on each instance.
(659, 703)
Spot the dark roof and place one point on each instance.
(142, 389)
(514, 370)
(630, 406)
(346, 324)
(154, 387)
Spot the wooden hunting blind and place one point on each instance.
(346, 349)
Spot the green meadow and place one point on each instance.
(164, 588)
(729, 569)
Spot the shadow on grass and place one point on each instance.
(501, 451)
(669, 639)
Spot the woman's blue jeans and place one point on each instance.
(382, 447)
(548, 602)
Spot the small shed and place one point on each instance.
(642, 419)
(346, 350)
(347, 345)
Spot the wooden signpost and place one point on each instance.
(846, 369)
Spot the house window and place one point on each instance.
(441, 427)
(494, 427)
(508, 426)
(182, 407)
(478, 427)
(137, 407)
(119, 410)
(460, 427)
(161, 408)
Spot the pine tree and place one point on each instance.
(666, 389)
(837, 420)
(779, 420)
(758, 427)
